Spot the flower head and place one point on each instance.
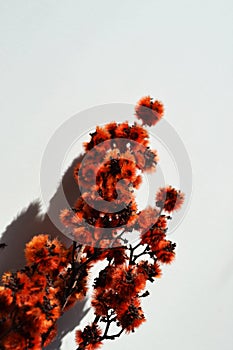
(100, 135)
(89, 338)
(164, 251)
(133, 317)
(148, 111)
(169, 199)
(48, 255)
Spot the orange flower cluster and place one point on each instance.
(117, 289)
(162, 249)
(107, 177)
(55, 277)
(117, 155)
(32, 299)
(29, 306)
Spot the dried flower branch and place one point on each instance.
(55, 277)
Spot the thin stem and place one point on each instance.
(132, 249)
(105, 335)
(107, 327)
(112, 337)
(131, 254)
(69, 289)
(145, 251)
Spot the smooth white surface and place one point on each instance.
(60, 57)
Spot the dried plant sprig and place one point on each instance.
(56, 277)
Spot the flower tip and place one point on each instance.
(149, 111)
(169, 199)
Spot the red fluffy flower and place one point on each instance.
(164, 251)
(148, 111)
(169, 199)
(133, 317)
(89, 338)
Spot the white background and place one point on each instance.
(60, 57)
